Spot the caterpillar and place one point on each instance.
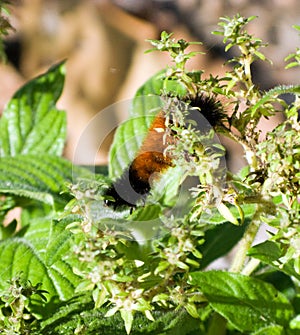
(152, 158)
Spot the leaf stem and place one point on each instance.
(249, 152)
(246, 242)
(250, 267)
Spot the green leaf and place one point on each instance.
(8, 230)
(260, 55)
(41, 178)
(215, 217)
(219, 241)
(43, 256)
(144, 224)
(127, 316)
(175, 194)
(66, 316)
(19, 256)
(269, 253)
(247, 303)
(295, 323)
(226, 213)
(31, 123)
(274, 92)
(80, 312)
(291, 65)
(271, 330)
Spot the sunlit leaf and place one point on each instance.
(41, 257)
(31, 123)
(247, 303)
(42, 178)
(269, 252)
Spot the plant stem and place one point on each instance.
(246, 242)
(250, 267)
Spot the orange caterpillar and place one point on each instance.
(151, 159)
(135, 182)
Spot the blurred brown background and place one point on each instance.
(104, 43)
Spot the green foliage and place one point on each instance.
(24, 126)
(176, 49)
(15, 316)
(35, 253)
(42, 180)
(70, 264)
(269, 252)
(247, 303)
